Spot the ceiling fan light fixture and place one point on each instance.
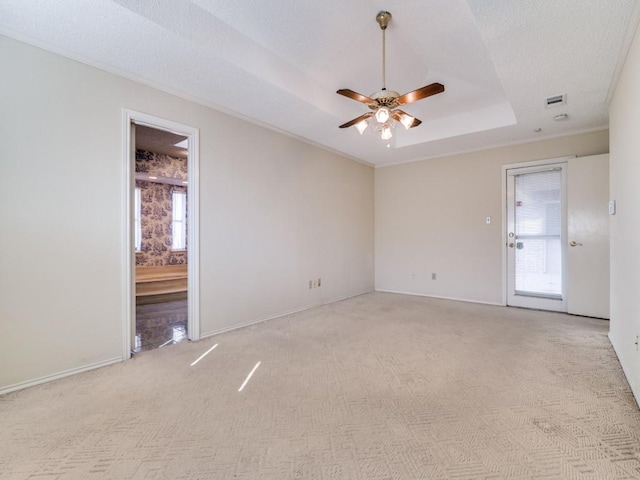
(361, 126)
(386, 133)
(382, 115)
(407, 121)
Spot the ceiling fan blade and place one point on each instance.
(356, 96)
(420, 93)
(399, 116)
(356, 120)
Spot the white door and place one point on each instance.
(588, 236)
(536, 237)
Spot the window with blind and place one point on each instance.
(137, 220)
(179, 221)
(538, 223)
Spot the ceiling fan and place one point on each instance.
(384, 104)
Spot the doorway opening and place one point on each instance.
(160, 224)
(161, 231)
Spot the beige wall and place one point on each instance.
(625, 225)
(430, 218)
(274, 213)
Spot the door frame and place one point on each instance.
(193, 228)
(505, 217)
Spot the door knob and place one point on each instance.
(511, 245)
(575, 244)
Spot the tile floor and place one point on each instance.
(160, 324)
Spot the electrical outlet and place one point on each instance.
(433, 276)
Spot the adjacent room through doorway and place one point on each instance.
(160, 223)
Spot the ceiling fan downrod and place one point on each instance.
(383, 18)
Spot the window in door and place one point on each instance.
(538, 221)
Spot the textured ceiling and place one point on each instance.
(280, 63)
(159, 141)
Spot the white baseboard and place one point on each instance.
(56, 376)
(443, 298)
(635, 388)
(278, 315)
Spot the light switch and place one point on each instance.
(612, 207)
(487, 220)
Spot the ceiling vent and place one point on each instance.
(556, 100)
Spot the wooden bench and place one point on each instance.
(165, 283)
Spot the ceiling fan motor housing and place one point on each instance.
(384, 98)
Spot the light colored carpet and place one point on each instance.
(379, 386)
